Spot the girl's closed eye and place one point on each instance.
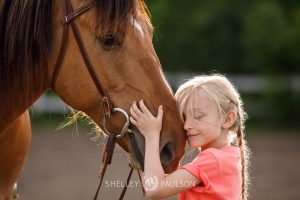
(198, 117)
(198, 114)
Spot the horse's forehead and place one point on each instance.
(137, 26)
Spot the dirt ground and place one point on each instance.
(63, 166)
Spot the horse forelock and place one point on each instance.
(115, 15)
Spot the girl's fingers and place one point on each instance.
(160, 112)
(133, 113)
(136, 110)
(144, 108)
(133, 121)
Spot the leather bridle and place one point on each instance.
(69, 15)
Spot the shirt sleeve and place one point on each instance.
(204, 167)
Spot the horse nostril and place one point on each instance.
(167, 154)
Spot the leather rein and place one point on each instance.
(69, 16)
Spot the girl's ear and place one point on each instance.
(229, 119)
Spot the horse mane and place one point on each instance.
(25, 35)
(25, 38)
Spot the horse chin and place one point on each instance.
(136, 154)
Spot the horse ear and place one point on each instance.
(229, 119)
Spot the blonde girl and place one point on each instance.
(213, 116)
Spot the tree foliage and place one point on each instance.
(236, 36)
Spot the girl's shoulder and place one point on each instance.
(223, 154)
(216, 158)
(223, 150)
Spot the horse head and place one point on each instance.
(117, 36)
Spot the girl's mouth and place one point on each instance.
(190, 134)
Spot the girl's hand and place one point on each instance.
(142, 118)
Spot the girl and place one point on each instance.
(214, 118)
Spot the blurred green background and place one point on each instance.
(255, 37)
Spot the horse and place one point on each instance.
(117, 36)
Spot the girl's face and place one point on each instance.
(203, 124)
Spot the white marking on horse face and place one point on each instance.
(137, 26)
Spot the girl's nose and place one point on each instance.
(187, 125)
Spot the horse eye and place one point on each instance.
(108, 42)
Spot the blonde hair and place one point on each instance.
(221, 91)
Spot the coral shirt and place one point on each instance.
(220, 173)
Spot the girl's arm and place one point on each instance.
(156, 184)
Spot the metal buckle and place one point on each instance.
(65, 20)
(125, 127)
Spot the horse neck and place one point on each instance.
(16, 103)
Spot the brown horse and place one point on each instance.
(117, 35)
